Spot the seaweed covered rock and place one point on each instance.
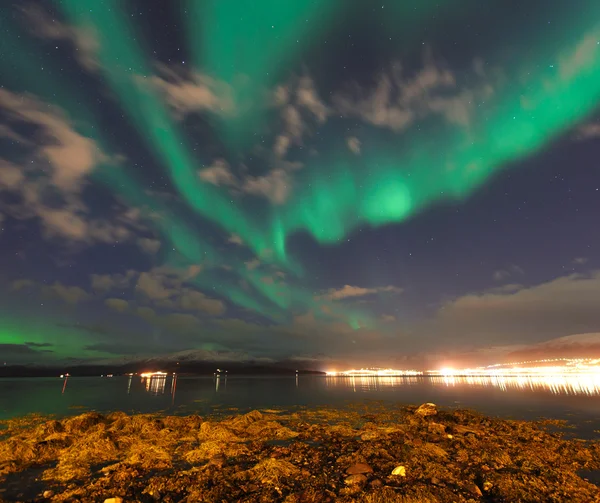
(366, 452)
(426, 409)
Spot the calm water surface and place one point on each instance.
(575, 398)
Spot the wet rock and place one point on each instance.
(426, 409)
(116, 499)
(355, 480)
(476, 491)
(219, 460)
(436, 428)
(359, 468)
(465, 430)
(48, 494)
(399, 471)
(83, 423)
(370, 435)
(321, 461)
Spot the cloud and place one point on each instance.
(165, 289)
(234, 239)
(275, 186)
(119, 305)
(252, 264)
(571, 346)
(508, 272)
(11, 176)
(70, 155)
(564, 306)
(102, 283)
(39, 344)
(193, 92)
(397, 102)
(308, 98)
(58, 166)
(353, 144)
(585, 55)
(22, 284)
(115, 348)
(292, 103)
(84, 39)
(219, 173)
(348, 291)
(580, 260)
(150, 246)
(69, 294)
(18, 349)
(588, 131)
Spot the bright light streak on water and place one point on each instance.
(584, 384)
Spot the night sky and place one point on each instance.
(321, 180)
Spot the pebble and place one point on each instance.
(359, 468)
(400, 471)
(48, 493)
(356, 479)
(117, 499)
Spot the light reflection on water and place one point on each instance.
(523, 397)
(578, 384)
(573, 384)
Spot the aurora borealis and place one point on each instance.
(312, 179)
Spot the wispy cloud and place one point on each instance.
(84, 39)
(348, 291)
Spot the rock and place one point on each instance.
(370, 435)
(465, 430)
(48, 493)
(376, 483)
(437, 428)
(359, 468)
(426, 409)
(114, 500)
(487, 486)
(476, 491)
(219, 460)
(400, 471)
(355, 480)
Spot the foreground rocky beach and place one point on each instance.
(367, 453)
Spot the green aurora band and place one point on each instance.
(534, 104)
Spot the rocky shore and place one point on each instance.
(367, 453)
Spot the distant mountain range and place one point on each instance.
(197, 362)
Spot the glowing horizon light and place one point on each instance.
(373, 372)
(581, 366)
(153, 374)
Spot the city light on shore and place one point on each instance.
(544, 367)
(375, 372)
